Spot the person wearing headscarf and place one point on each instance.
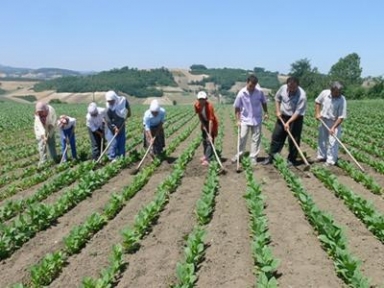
(44, 126)
(153, 121)
(209, 125)
(67, 126)
(118, 110)
(95, 125)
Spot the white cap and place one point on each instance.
(202, 95)
(110, 95)
(154, 107)
(92, 108)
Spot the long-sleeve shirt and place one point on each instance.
(291, 104)
(332, 107)
(250, 105)
(112, 118)
(95, 122)
(48, 129)
(207, 113)
(71, 123)
(152, 121)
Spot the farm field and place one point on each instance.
(178, 224)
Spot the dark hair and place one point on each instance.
(253, 79)
(293, 79)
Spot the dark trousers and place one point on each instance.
(96, 143)
(279, 135)
(159, 144)
(208, 150)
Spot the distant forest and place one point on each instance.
(139, 83)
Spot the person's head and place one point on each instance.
(336, 89)
(111, 97)
(92, 109)
(251, 83)
(63, 120)
(202, 97)
(292, 84)
(154, 107)
(41, 109)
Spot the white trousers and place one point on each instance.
(328, 146)
(255, 139)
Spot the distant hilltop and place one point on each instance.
(37, 74)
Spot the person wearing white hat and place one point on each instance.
(153, 121)
(118, 110)
(209, 123)
(66, 127)
(44, 126)
(95, 125)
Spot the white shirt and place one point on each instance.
(71, 123)
(95, 123)
(331, 107)
(40, 129)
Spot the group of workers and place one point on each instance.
(106, 126)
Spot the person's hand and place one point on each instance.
(266, 117)
(210, 137)
(332, 131)
(44, 138)
(286, 126)
(151, 141)
(238, 123)
(116, 130)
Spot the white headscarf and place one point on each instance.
(92, 108)
(154, 107)
(118, 106)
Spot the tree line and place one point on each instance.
(132, 81)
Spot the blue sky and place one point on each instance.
(100, 35)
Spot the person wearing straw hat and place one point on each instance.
(44, 126)
(66, 127)
(290, 105)
(209, 123)
(153, 121)
(95, 124)
(331, 107)
(249, 105)
(118, 110)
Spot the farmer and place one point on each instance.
(290, 104)
(153, 121)
(44, 126)
(249, 105)
(95, 125)
(117, 112)
(331, 107)
(204, 109)
(66, 126)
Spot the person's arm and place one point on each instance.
(317, 110)
(342, 116)
(128, 108)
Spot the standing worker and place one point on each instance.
(249, 105)
(117, 112)
(209, 123)
(44, 126)
(331, 107)
(153, 122)
(290, 104)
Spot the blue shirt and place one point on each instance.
(152, 121)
